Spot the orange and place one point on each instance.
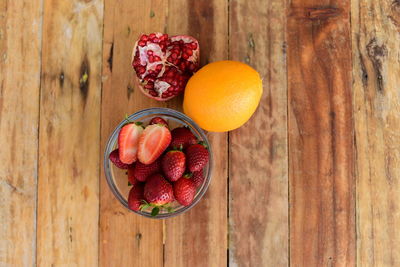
(222, 95)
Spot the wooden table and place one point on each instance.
(312, 179)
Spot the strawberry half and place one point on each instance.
(128, 140)
(158, 120)
(173, 164)
(184, 191)
(142, 171)
(136, 196)
(198, 178)
(197, 157)
(152, 143)
(158, 191)
(114, 158)
(182, 137)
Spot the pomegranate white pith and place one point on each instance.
(164, 64)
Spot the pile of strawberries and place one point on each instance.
(162, 165)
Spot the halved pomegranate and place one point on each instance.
(164, 64)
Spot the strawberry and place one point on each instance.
(184, 191)
(158, 120)
(182, 137)
(173, 164)
(128, 139)
(197, 157)
(141, 171)
(158, 191)
(135, 196)
(152, 143)
(198, 178)
(131, 178)
(114, 158)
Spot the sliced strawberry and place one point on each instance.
(128, 139)
(114, 158)
(136, 196)
(152, 143)
(158, 120)
(184, 191)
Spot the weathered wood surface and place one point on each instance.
(313, 177)
(126, 238)
(199, 238)
(376, 69)
(258, 162)
(69, 134)
(20, 46)
(320, 131)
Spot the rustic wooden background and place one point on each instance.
(311, 180)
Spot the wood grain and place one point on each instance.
(199, 237)
(69, 139)
(321, 149)
(376, 29)
(258, 159)
(20, 47)
(126, 239)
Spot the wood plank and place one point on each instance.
(376, 28)
(199, 237)
(69, 139)
(20, 47)
(126, 239)
(258, 151)
(321, 149)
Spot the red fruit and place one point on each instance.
(152, 143)
(198, 178)
(197, 157)
(158, 120)
(173, 164)
(114, 158)
(142, 171)
(184, 191)
(158, 191)
(182, 136)
(132, 180)
(164, 64)
(136, 196)
(128, 140)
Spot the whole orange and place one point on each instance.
(222, 95)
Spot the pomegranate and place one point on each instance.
(164, 64)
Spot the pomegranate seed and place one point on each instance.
(193, 46)
(142, 43)
(157, 58)
(144, 38)
(149, 52)
(162, 46)
(174, 56)
(185, 56)
(149, 86)
(189, 52)
(153, 93)
(141, 70)
(151, 59)
(164, 37)
(152, 35)
(156, 40)
(159, 67)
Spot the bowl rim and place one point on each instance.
(136, 116)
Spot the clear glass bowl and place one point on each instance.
(117, 179)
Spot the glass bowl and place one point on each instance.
(117, 178)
